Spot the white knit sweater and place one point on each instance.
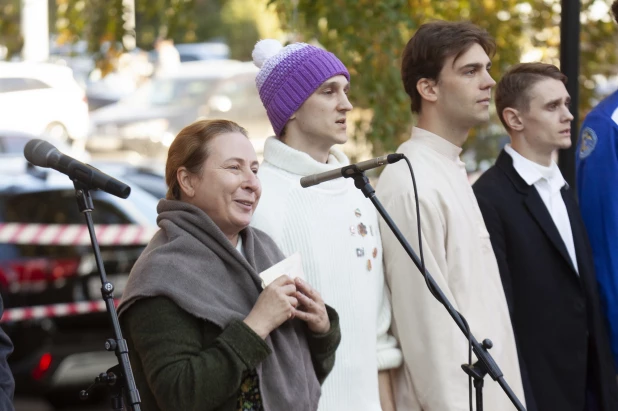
(335, 228)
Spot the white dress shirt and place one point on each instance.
(548, 181)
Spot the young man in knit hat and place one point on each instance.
(445, 72)
(332, 225)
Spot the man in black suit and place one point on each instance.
(542, 250)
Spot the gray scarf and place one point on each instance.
(191, 262)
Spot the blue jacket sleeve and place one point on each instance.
(597, 185)
(7, 383)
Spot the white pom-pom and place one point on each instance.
(265, 49)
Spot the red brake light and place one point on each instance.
(37, 270)
(42, 367)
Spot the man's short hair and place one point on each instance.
(513, 90)
(431, 45)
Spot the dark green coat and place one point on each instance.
(181, 362)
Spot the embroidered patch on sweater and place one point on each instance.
(362, 229)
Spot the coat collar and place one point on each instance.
(535, 205)
(533, 173)
(297, 162)
(437, 143)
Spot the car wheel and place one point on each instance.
(57, 131)
(69, 399)
(62, 401)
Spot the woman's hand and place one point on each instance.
(276, 304)
(311, 308)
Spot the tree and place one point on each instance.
(10, 34)
(369, 38)
(184, 21)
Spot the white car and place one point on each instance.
(148, 120)
(44, 100)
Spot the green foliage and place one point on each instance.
(10, 35)
(369, 37)
(184, 21)
(100, 21)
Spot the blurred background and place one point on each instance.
(111, 82)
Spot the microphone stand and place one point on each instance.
(120, 377)
(485, 363)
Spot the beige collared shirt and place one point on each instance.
(459, 256)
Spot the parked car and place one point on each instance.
(12, 145)
(148, 120)
(44, 100)
(59, 351)
(148, 176)
(197, 52)
(202, 51)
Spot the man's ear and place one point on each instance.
(292, 117)
(512, 118)
(185, 181)
(427, 89)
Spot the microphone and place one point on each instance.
(43, 154)
(347, 171)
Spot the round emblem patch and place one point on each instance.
(588, 142)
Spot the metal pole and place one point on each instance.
(569, 64)
(35, 30)
(129, 39)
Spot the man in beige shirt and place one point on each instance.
(445, 72)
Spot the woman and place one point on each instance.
(202, 334)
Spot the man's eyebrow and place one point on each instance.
(477, 66)
(555, 101)
(334, 84)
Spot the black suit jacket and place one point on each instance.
(560, 332)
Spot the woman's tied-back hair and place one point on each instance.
(431, 45)
(514, 87)
(190, 149)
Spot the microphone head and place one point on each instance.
(37, 152)
(393, 158)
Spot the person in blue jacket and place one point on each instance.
(7, 383)
(597, 185)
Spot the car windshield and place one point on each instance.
(12, 145)
(179, 92)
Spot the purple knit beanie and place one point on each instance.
(289, 75)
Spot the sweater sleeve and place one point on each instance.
(597, 179)
(7, 383)
(389, 354)
(435, 364)
(182, 369)
(323, 346)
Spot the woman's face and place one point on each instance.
(228, 189)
